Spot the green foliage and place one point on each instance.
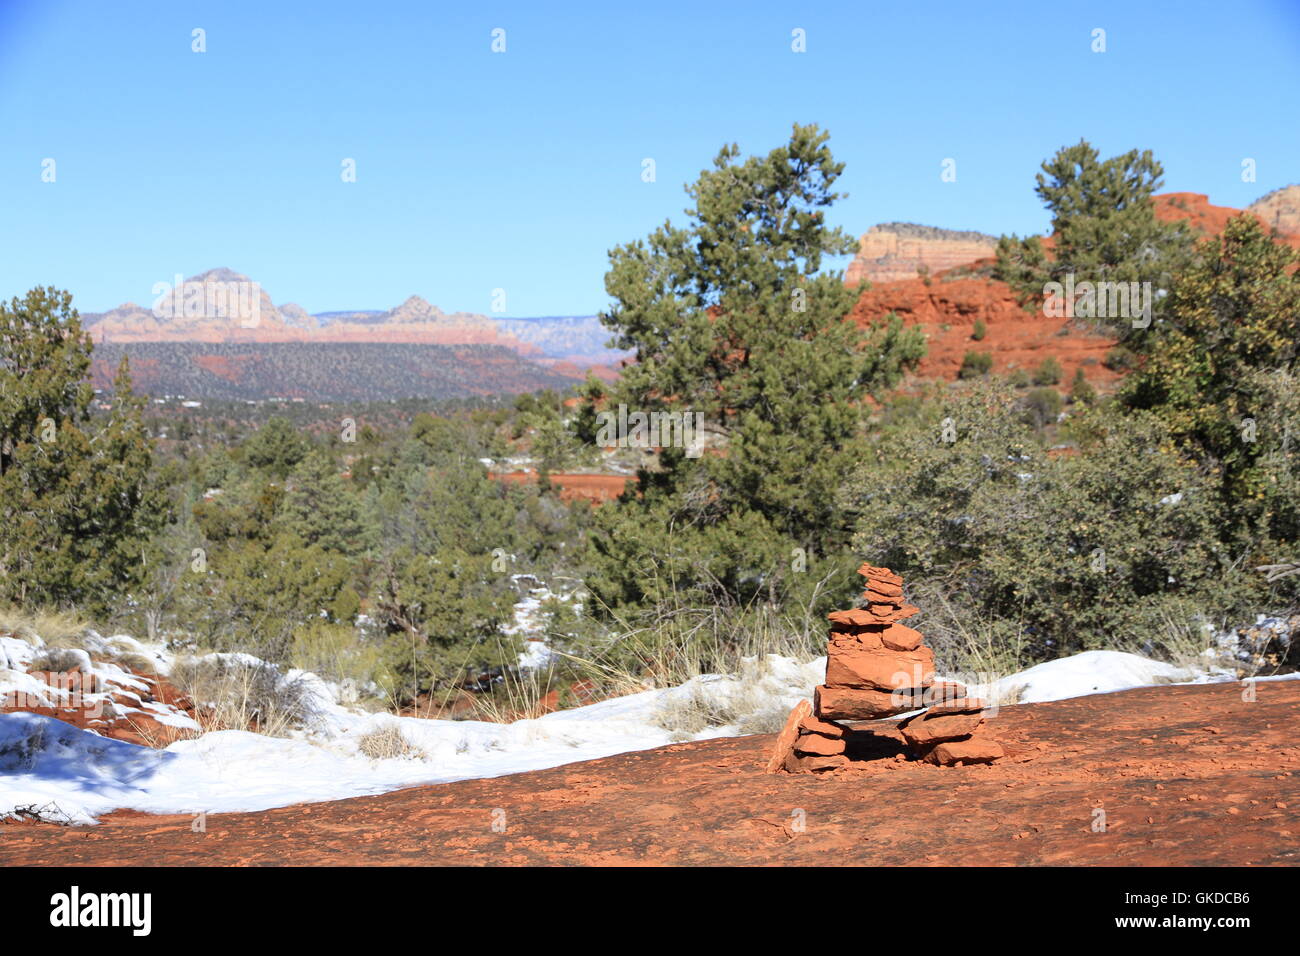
(1207, 369)
(1018, 378)
(730, 317)
(1120, 359)
(77, 503)
(276, 448)
(319, 508)
(290, 548)
(980, 330)
(1048, 372)
(1104, 225)
(450, 605)
(1081, 390)
(975, 365)
(1042, 406)
(259, 594)
(1069, 552)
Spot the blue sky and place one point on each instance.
(520, 170)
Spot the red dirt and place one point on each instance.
(1185, 776)
(594, 488)
(946, 309)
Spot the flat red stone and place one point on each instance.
(784, 746)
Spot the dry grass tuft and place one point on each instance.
(388, 743)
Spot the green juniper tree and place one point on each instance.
(320, 509)
(1064, 553)
(76, 500)
(1211, 368)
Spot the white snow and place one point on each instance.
(101, 688)
(1092, 672)
(45, 763)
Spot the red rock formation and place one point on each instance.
(111, 711)
(946, 308)
(1280, 211)
(595, 488)
(947, 304)
(877, 667)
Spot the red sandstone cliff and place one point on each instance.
(947, 303)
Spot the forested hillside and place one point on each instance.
(323, 371)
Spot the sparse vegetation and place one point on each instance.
(1081, 390)
(53, 628)
(233, 692)
(975, 365)
(1048, 372)
(1042, 406)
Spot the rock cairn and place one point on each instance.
(877, 666)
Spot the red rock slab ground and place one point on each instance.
(1185, 775)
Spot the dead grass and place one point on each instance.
(388, 743)
(1186, 638)
(974, 651)
(520, 695)
(59, 660)
(741, 699)
(233, 694)
(677, 640)
(53, 628)
(157, 738)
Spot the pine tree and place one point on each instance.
(319, 507)
(1104, 225)
(276, 447)
(732, 318)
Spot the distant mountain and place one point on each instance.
(215, 306)
(322, 371)
(222, 305)
(563, 336)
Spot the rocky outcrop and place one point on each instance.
(947, 305)
(904, 250)
(947, 308)
(1280, 211)
(876, 666)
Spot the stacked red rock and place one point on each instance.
(808, 743)
(952, 733)
(876, 666)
